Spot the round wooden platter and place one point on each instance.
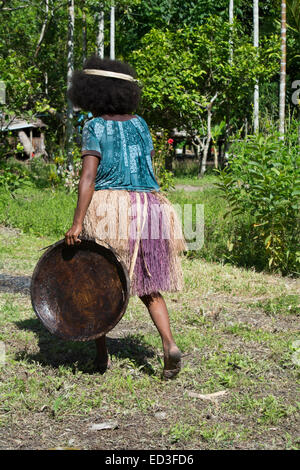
(81, 292)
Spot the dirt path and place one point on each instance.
(191, 188)
(186, 187)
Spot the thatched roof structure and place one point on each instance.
(18, 124)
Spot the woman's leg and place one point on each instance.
(159, 313)
(102, 359)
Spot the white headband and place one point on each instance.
(107, 73)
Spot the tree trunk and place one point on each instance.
(100, 35)
(216, 155)
(26, 142)
(231, 14)
(46, 83)
(205, 153)
(256, 44)
(43, 150)
(43, 30)
(296, 101)
(112, 32)
(299, 127)
(69, 124)
(84, 37)
(228, 107)
(282, 70)
(207, 144)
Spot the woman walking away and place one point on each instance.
(119, 201)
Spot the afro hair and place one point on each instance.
(103, 95)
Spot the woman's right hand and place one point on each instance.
(72, 235)
(85, 193)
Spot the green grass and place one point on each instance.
(48, 212)
(283, 305)
(214, 206)
(49, 383)
(181, 432)
(238, 330)
(45, 212)
(268, 410)
(207, 181)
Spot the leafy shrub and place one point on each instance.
(43, 174)
(216, 233)
(56, 174)
(187, 168)
(163, 150)
(262, 186)
(69, 178)
(13, 175)
(42, 212)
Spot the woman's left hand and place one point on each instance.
(72, 235)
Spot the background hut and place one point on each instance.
(31, 136)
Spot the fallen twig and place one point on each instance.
(209, 396)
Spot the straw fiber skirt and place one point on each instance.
(143, 228)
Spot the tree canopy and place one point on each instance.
(180, 49)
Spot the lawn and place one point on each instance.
(239, 333)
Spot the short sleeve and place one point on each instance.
(143, 127)
(151, 146)
(91, 138)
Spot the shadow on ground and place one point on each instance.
(15, 284)
(81, 355)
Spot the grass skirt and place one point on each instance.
(143, 228)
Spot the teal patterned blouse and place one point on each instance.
(124, 149)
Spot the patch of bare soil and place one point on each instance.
(231, 310)
(9, 230)
(187, 187)
(137, 430)
(15, 284)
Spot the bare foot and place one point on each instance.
(172, 362)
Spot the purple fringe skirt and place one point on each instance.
(145, 231)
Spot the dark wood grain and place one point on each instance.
(80, 293)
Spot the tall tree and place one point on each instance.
(69, 123)
(188, 80)
(100, 33)
(282, 70)
(43, 30)
(231, 14)
(227, 128)
(293, 64)
(84, 36)
(256, 44)
(112, 31)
